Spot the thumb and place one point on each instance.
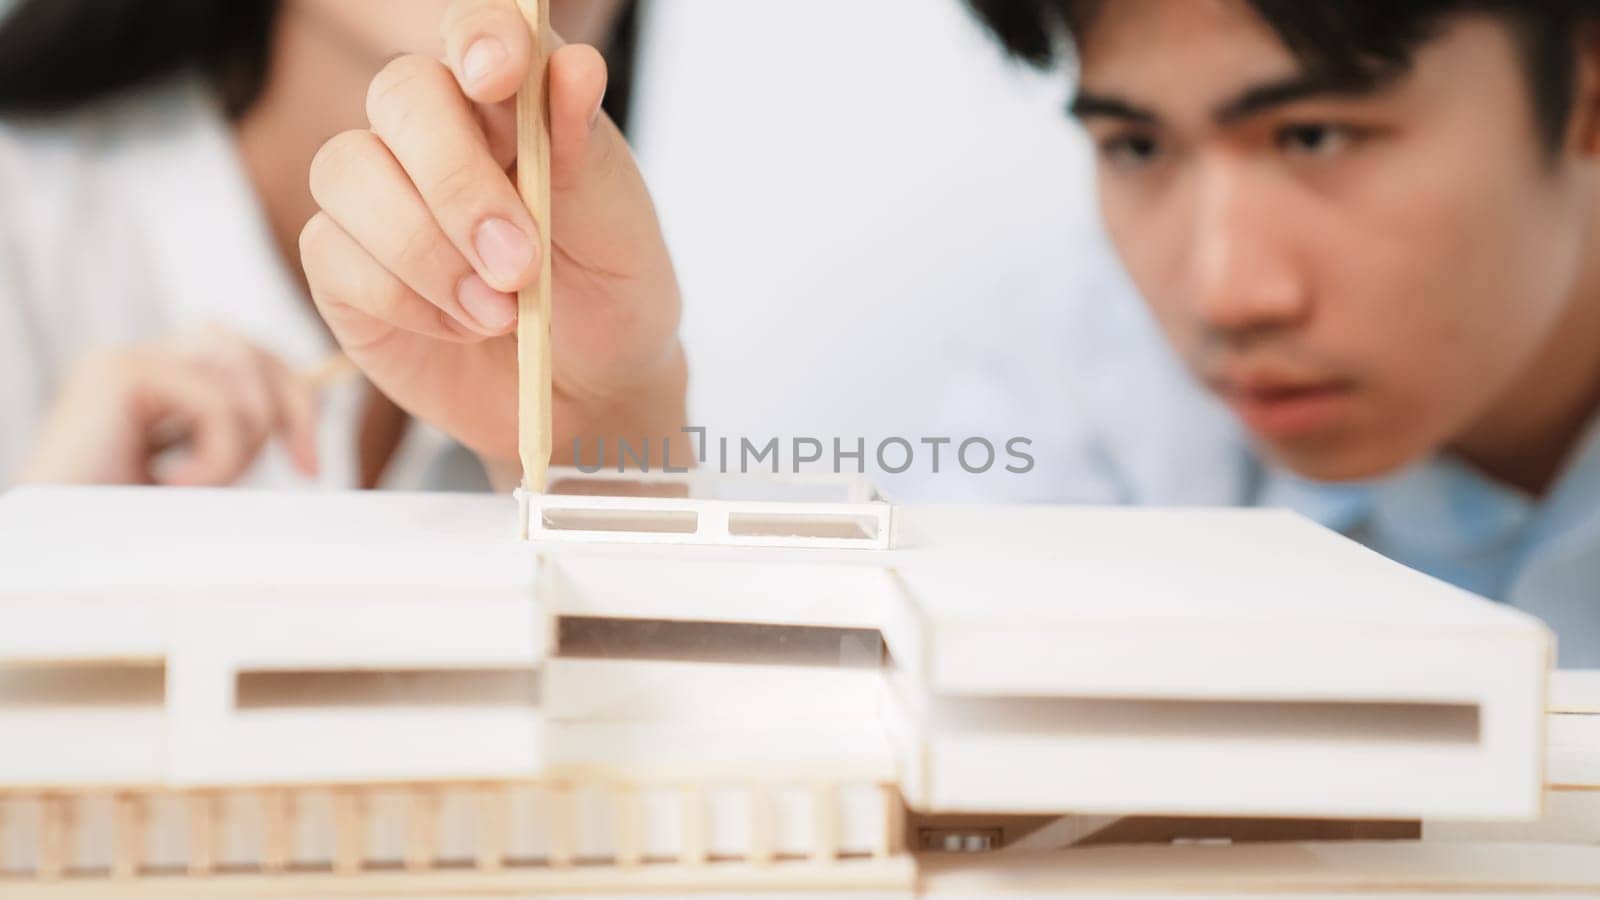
(602, 210)
(578, 79)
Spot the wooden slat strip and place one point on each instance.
(492, 801)
(561, 825)
(695, 838)
(276, 830)
(894, 823)
(825, 822)
(127, 836)
(55, 837)
(763, 825)
(422, 830)
(205, 832)
(349, 832)
(630, 827)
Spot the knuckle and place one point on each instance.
(246, 418)
(229, 442)
(214, 368)
(323, 296)
(336, 159)
(609, 160)
(422, 251)
(314, 244)
(387, 300)
(107, 364)
(392, 93)
(211, 408)
(447, 328)
(458, 189)
(258, 414)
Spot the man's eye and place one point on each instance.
(1315, 140)
(1131, 149)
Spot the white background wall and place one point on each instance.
(866, 201)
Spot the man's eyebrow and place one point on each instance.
(1251, 101)
(1304, 86)
(1086, 105)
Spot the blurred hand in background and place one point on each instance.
(195, 409)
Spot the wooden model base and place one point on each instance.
(236, 694)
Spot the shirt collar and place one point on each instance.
(1573, 506)
(1443, 505)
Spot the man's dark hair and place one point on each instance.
(1355, 41)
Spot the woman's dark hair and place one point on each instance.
(1357, 40)
(59, 54)
(56, 55)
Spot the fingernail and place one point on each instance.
(491, 310)
(482, 58)
(505, 251)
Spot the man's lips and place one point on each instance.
(1282, 408)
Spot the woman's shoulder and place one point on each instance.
(55, 156)
(76, 212)
(69, 176)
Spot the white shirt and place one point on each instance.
(134, 219)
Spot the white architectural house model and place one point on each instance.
(677, 687)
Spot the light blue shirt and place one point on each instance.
(1115, 419)
(1444, 518)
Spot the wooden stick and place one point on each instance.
(825, 820)
(205, 833)
(422, 840)
(276, 830)
(534, 426)
(763, 825)
(491, 828)
(630, 828)
(329, 371)
(55, 837)
(127, 844)
(561, 825)
(894, 823)
(349, 832)
(695, 850)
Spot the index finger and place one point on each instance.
(488, 46)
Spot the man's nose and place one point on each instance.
(1247, 278)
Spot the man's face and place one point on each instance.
(1362, 277)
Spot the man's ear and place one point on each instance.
(1585, 126)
